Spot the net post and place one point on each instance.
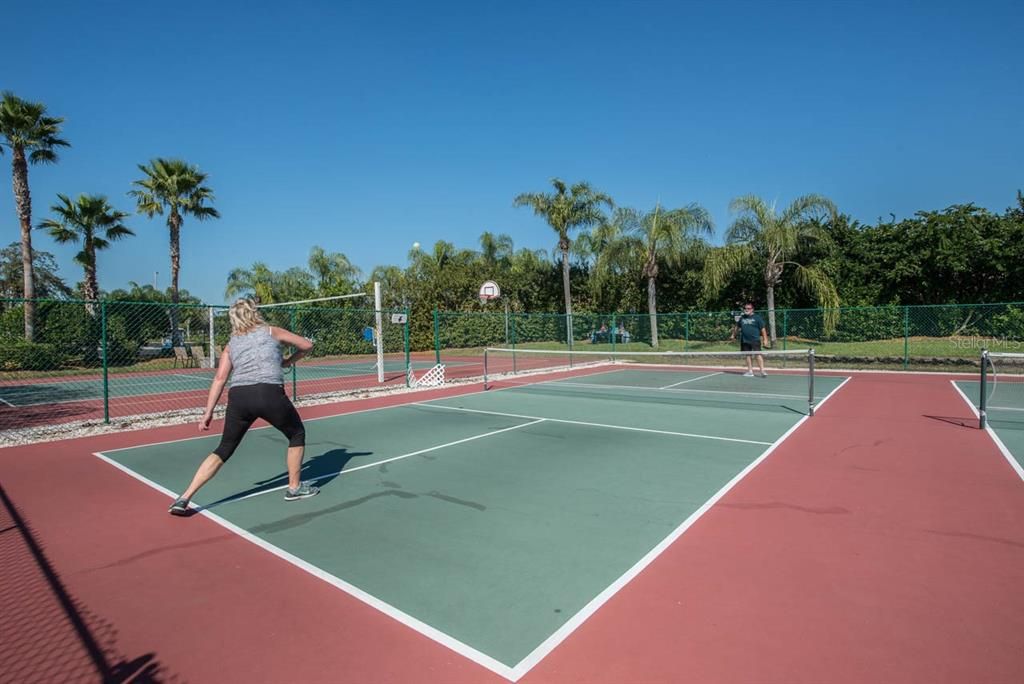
(405, 340)
(612, 333)
(378, 316)
(437, 337)
(485, 369)
(810, 382)
(686, 325)
(983, 399)
(213, 359)
(106, 366)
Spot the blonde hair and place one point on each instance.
(244, 317)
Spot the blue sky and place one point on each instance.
(364, 127)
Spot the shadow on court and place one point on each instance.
(52, 636)
(954, 420)
(322, 468)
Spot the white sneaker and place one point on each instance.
(748, 374)
(764, 374)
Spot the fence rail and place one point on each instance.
(108, 360)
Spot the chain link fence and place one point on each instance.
(107, 360)
(891, 337)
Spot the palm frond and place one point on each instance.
(816, 283)
(720, 265)
(808, 207)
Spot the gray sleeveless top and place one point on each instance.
(255, 358)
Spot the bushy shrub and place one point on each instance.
(30, 356)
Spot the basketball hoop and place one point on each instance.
(489, 291)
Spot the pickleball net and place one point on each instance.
(1001, 396)
(700, 378)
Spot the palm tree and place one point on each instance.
(177, 187)
(771, 240)
(333, 271)
(32, 137)
(495, 250)
(665, 235)
(567, 209)
(258, 282)
(92, 221)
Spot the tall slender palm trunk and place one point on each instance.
(771, 312)
(23, 200)
(652, 310)
(91, 285)
(568, 295)
(174, 224)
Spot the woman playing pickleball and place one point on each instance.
(252, 365)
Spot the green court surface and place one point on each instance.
(184, 380)
(1005, 414)
(490, 521)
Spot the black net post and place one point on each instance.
(810, 382)
(983, 399)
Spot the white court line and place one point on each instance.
(377, 463)
(4, 401)
(1003, 449)
(1004, 408)
(553, 641)
(587, 424)
(634, 388)
(683, 382)
(409, 621)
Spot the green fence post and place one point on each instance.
(437, 338)
(292, 326)
(906, 337)
(103, 352)
(612, 334)
(785, 328)
(405, 339)
(513, 330)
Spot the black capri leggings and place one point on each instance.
(246, 403)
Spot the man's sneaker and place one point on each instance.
(303, 491)
(748, 374)
(764, 374)
(179, 507)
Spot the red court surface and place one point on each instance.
(881, 541)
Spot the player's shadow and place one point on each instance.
(320, 470)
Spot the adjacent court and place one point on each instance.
(73, 389)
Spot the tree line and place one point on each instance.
(607, 258)
(167, 186)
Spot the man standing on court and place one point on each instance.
(752, 333)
